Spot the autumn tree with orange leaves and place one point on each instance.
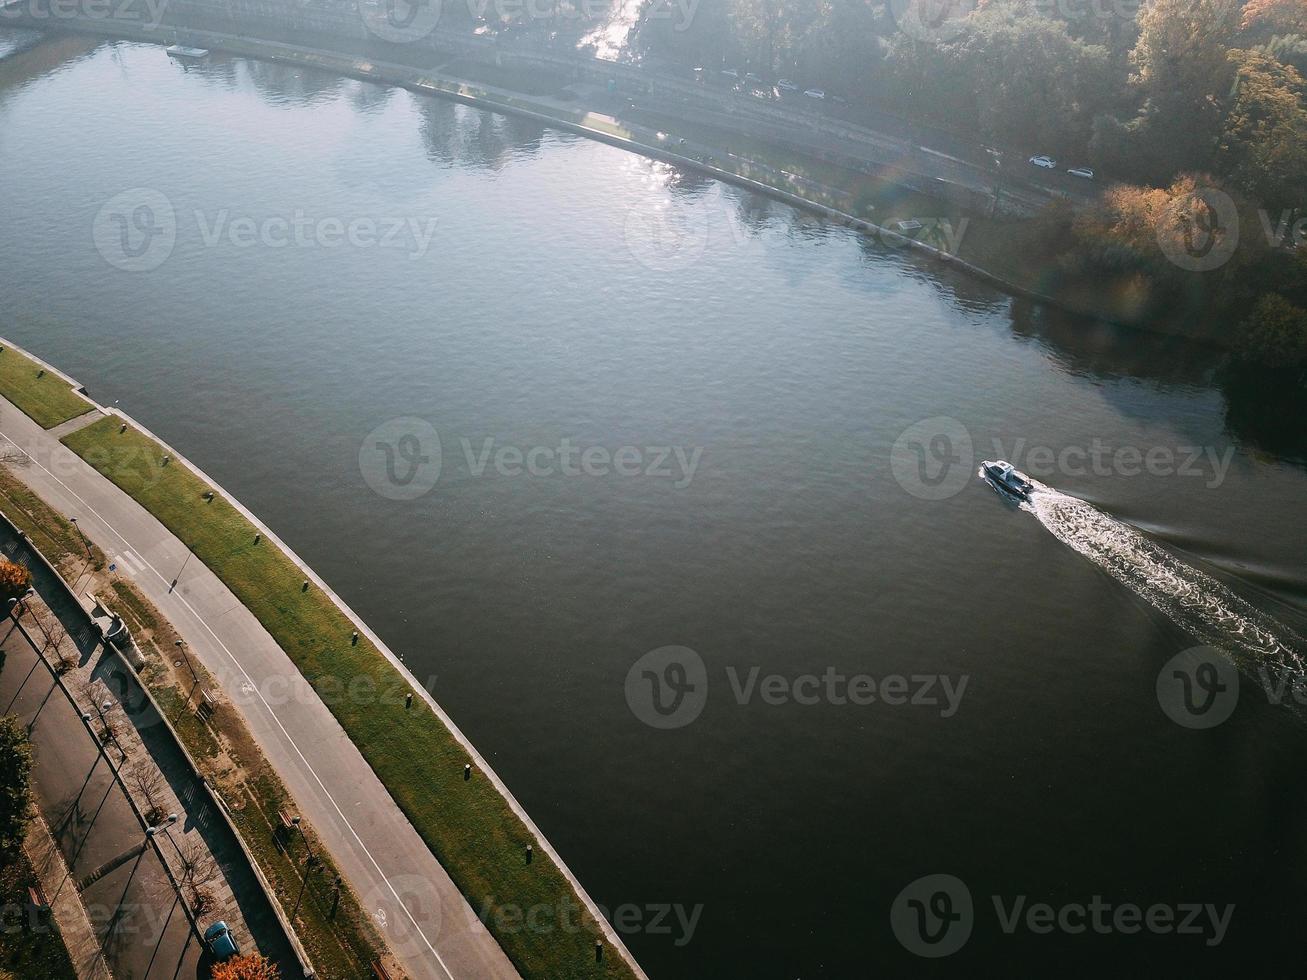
(251, 967)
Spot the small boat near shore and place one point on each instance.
(1003, 476)
(184, 53)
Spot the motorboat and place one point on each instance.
(187, 54)
(1004, 476)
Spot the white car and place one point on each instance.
(1084, 172)
(785, 85)
(1048, 163)
(815, 93)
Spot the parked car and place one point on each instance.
(1048, 163)
(815, 93)
(785, 85)
(220, 941)
(1084, 172)
(730, 73)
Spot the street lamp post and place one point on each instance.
(165, 827)
(86, 544)
(310, 866)
(181, 645)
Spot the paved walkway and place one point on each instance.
(428, 924)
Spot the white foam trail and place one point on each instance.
(1192, 599)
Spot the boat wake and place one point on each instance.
(1192, 599)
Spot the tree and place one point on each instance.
(15, 784)
(1184, 75)
(15, 579)
(1281, 16)
(148, 782)
(251, 967)
(1275, 335)
(1264, 144)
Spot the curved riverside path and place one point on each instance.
(427, 923)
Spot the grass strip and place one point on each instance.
(44, 396)
(468, 825)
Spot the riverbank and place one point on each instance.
(465, 817)
(1012, 255)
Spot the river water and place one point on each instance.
(673, 414)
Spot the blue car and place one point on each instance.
(220, 941)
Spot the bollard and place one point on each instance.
(354, 640)
(528, 854)
(305, 586)
(467, 772)
(122, 428)
(408, 700)
(599, 951)
(258, 538)
(41, 373)
(165, 460)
